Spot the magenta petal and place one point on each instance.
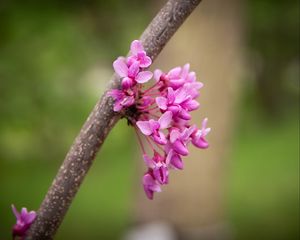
(128, 101)
(191, 105)
(187, 132)
(176, 161)
(174, 135)
(150, 185)
(171, 95)
(176, 83)
(160, 138)
(117, 106)
(15, 211)
(174, 109)
(120, 67)
(165, 120)
(145, 62)
(185, 70)
(197, 85)
(23, 212)
(174, 73)
(30, 217)
(154, 125)
(157, 74)
(161, 174)
(200, 143)
(181, 95)
(148, 180)
(204, 123)
(143, 77)
(127, 83)
(149, 193)
(115, 94)
(133, 69)
(191, 78)
(180, 148)
(136, 47)
(185, 114)
(161, 102)
(145, 127)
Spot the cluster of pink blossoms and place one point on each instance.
(160, 113)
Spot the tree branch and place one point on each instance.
(96, 128)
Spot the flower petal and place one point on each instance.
(128, 101)
(127, 83)
(136, 47)
(174, 135)
(185, 114)
(24, 213)
(145, 127)
(200, 142)
(180, 148)
(161, 103)
(171, 95)
(143, 77)
(15, 211)
(145, 62)
(191, 105)
(117, 106)
(30, 217)
(176, 161)
(174, 73)
(120, 67)
(157, 74)
(149, 193)
(181, 95)
(165, 120)
(133, 69)
(161, 174)
(160, 138)
(204, 123)
(185, 70)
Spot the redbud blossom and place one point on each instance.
(160, 114)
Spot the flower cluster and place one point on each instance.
(160, 113)
(24, 220)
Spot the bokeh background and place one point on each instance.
(55, 61)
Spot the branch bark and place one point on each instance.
(99, 123)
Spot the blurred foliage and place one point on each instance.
(273, 41)
(48, 52)
(263, 187)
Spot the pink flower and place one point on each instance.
(132, 72)
(153, 128)
(179, 102)
(174, 159)
(180, 139)
(122, 99)
(24, 220)
(176, 77)
(138, 55)
(198, 137)
(150, 185)
(159, 167)
(160, 114)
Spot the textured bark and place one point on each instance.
(101, 120)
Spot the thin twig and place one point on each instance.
(96, 128)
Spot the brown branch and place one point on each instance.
(101, 120)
